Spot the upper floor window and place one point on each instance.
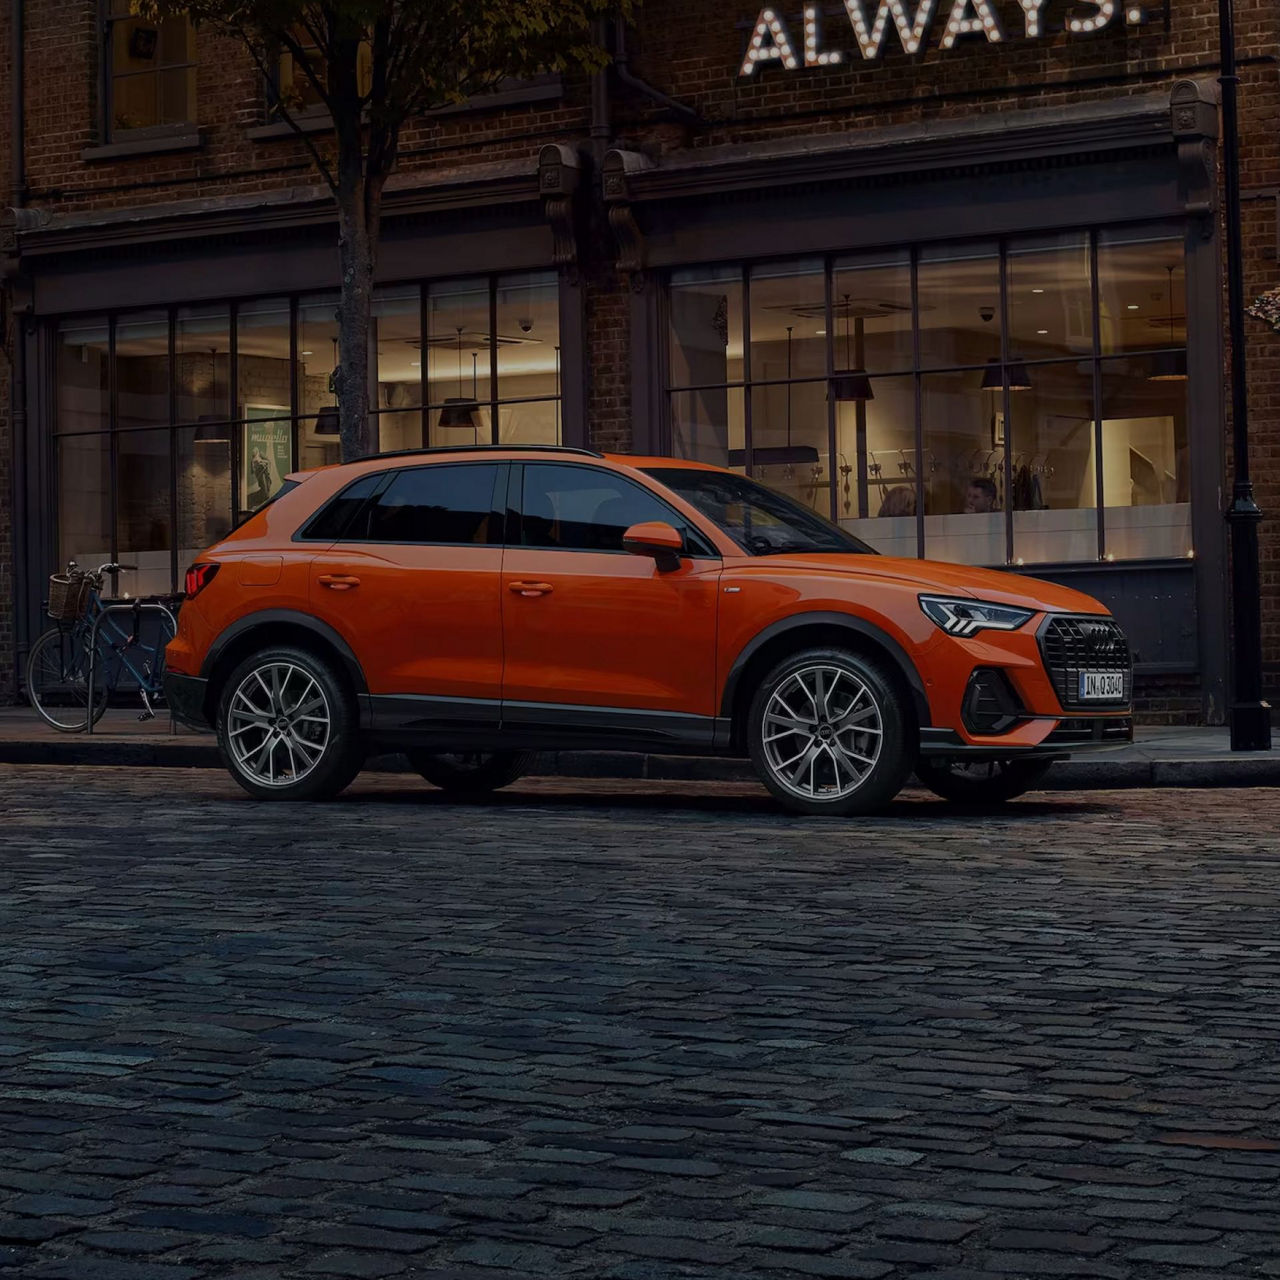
(150, 74)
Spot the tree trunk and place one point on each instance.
(357, 250)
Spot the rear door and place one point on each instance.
(414, 587)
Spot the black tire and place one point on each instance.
(58, 681)
(331, 754)
(882, 733)
(981, 782)
(471, 773)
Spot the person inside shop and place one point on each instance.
(899, 501)
(980, 496)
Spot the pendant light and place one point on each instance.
(458, 411)
(327, 421)
(1170, 366)
(851, 384)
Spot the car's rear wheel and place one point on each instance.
(829, 733)
(471, 773)
(288, 727)
(981, 781)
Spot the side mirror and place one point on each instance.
(658, 539)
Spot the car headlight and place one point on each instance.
(968, 617)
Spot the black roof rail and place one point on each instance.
(481, 448)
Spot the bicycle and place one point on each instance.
(84, 657)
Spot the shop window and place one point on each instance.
(144, 516)
(981, 396)
(396, 345)
(150, 80)
(202, 364)
(142, 370)
(508, 323)
(706, 356)
(204, 501)
(318, 444)
(84, 500)
(1146, 483)
(84, 377)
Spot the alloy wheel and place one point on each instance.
(278, 724)
(822, 732)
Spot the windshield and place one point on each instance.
(760, 520)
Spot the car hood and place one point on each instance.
(943, 578)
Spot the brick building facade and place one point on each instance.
(1012, 235)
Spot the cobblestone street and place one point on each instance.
(632, 1031)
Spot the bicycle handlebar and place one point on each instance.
(111, 567)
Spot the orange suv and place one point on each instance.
(470, 607)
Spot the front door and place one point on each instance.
(414, 587)
(600, 644)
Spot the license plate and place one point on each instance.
(1101, 685)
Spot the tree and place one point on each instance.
(373, 65)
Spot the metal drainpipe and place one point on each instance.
(600, 104)
(18, 389)
(622, 65)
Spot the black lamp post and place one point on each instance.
(1250, 715)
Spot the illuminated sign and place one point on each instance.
(771, 40)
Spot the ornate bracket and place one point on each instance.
(559, 177)
(1193, 106)
(619, 168)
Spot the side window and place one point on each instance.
(434, 504)
(331, 522)
(589, 509)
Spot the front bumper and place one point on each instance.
(184, 696)
(1077, 733)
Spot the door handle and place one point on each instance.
(530, 588)
(338, 581)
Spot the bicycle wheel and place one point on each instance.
(58, 681)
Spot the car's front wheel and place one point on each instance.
(471, 773)
(981, 782)
(829, 734)
(288, 727)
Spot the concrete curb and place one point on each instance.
(1098, 773)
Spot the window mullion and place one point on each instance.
(747, 442)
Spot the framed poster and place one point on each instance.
(266, 453)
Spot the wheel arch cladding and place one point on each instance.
(276, 627)
(812, 630)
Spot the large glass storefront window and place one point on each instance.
(173, 425)
(1002, 402)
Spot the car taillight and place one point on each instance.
(198, 577)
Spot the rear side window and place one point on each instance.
(452, 504)
(332, 520)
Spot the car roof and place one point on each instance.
(510, 452)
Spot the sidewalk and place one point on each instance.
(1161, 756)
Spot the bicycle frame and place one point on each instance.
(117, 642)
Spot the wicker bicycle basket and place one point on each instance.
(68, 596)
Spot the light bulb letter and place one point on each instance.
(770, 42)
(1031, 17)
(814, 55)
(961, 22)
(1106, 10)
(911, 28)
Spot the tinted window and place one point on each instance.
(589, 509)
(760, 520)
(331, 522)
(452, 504)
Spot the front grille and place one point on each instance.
(1071, 645)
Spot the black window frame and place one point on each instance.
(305, 532)
(678, 521)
